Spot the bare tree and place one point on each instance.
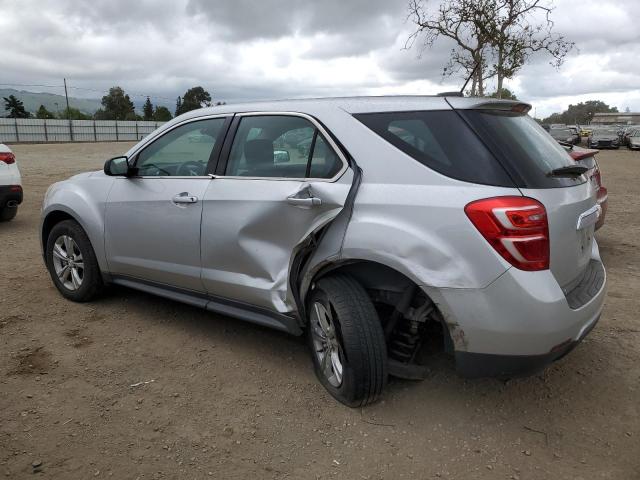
(497, 36)
(517, 30)
(463, 22)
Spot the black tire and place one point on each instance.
(8, 213)
(92, 278)
(360, 336)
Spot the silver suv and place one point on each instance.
(382, 227)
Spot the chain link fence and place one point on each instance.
(16, 130)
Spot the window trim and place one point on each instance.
(214, 158)
(230, 138)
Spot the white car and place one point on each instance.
(10, 184)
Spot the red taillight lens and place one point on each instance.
(516, 227)
(598, 177)
(7, 157)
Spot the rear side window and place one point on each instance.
(442, 141)
(526, 150)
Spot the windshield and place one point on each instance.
(524, 148)
(560, 132)
(606, 131)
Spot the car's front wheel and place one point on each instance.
(347, 341)
(72, 262)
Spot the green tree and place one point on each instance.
(117, 105)
(161, 114)
(42, 112)
(15, 107)
(74, 114)
(580, 113)
(147, 110)
(194, 98)
(505, 94)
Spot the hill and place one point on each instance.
(33, 100)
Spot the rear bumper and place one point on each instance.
(479, 365)
(521, 322)
(10, 195)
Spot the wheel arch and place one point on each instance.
(59, 213)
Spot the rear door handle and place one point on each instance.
(184, 197)
(304, 202)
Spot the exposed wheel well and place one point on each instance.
(50, 220)
(414, 327)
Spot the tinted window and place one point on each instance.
(183, 151)
(325, 163)
(280, 146)
(442, 141)
(526, 150)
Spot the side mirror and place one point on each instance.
(117, 166)
(281, 156)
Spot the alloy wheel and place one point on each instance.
(326, 344)
(68, 262)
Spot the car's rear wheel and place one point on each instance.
(347, 341)
(8, 213)
(72, 262)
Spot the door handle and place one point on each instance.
(305, 201)
(184, 197)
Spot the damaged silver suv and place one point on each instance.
(380, 227)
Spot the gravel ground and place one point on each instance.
(134, 386)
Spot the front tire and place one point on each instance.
(8, 213)
(72, 262)
(347, 341)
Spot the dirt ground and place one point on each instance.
(136, 387)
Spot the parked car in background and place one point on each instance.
(575, 132)
(565, 135)
(10, 184)
(585, 131)
(633, 139)
(388, 236)
(604, 138)
(587, 158)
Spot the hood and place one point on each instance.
(604, 136)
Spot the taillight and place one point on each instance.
(7, 157)
(516, 227)
(598, 177)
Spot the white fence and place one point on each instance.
(14, 130)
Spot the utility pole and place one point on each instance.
(66, 96)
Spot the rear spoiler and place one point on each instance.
(459, 103)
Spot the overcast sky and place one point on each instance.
(261, 49)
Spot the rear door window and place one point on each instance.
(281, 146)
(442, 141)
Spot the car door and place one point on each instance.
(282, 179)
(152, 219)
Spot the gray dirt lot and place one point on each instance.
(232, 400)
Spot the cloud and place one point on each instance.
(257, 49)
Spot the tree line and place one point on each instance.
(116, 105)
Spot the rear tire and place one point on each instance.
(8, 213)
(72, 262)
(347, 341)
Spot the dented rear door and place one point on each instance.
(250, 232)
(252, 226)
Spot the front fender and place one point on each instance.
(83, 198)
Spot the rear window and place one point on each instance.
(442, 141)
(523, 147)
